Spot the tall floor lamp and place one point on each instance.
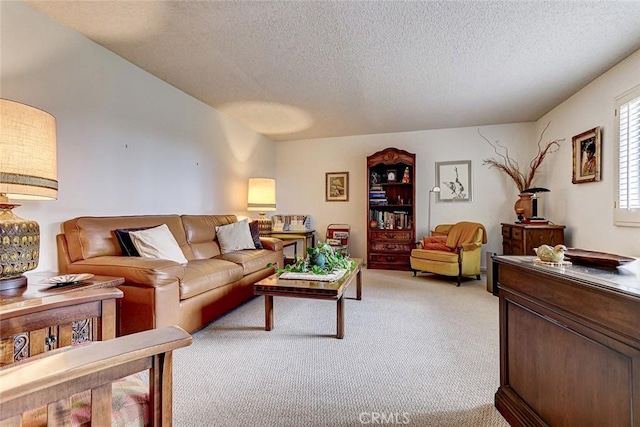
(435, 189)
(28, 171)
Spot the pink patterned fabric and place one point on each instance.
(130, 398)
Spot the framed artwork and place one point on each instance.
(454, 180)
(587, 156)
(337, 187)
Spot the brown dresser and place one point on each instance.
(569, 345)
(520, 239)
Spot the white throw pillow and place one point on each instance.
(235, 237)
(158, 242)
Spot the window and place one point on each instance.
(627, 207)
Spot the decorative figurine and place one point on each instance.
(405, 177)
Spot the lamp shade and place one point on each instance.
(28, 157)
(262, 194)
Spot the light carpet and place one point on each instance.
(417, 351)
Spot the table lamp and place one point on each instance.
(534, 202)
(28, 171)
(262, 198)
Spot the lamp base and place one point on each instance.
(20, 250)
(12, 283)
(264, 225)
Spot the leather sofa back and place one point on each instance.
(89, 237)
(201, 233)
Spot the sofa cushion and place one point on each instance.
(201, 233)
(235, 237)
(89, 237)
(157, 242)
(251, 261)
(202, 275)
(124, 240)
(254, 227)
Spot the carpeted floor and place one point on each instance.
(417, 351)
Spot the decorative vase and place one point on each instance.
(524, 206)
(319, 260)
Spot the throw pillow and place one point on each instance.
(157, 242)
(436, 243)
(434, 239)
(235, 237)
(436, 246)
(255, 234)
(124, 240)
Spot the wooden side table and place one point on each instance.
(42, 317)
(296, 235)
(520, 239)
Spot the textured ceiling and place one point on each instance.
(307, 69)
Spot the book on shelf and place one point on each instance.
(380, 195)
(396, 220)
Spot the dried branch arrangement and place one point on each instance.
(512, 168)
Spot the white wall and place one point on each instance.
(302, 166)
(128, 143)
(587, 208)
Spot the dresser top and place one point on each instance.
(608, 278)
(534, 226)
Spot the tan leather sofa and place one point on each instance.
(160, 292)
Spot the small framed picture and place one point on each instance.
(392, 175)
(454, 180)
(337, 186)
(587, 156)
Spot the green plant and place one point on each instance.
(332, 261)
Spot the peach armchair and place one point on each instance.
(453, 250)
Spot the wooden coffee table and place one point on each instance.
(274, 286)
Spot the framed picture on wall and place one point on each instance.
(337, 186)
(587, 156)
(454, 180)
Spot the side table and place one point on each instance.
(42, 317)
(296, 235)
(520, 239)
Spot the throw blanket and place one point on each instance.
(463, 232)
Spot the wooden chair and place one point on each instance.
(52, 378)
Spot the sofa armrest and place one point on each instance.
(271, 243)
(137, 271)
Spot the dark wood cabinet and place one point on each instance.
(520, 239)
(569, 345)
(391, 209)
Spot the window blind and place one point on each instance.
(627, 210)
